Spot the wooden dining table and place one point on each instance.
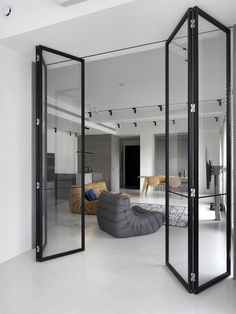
(145, 183)
(184, 180)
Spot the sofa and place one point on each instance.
(75, 199)
(116, 217)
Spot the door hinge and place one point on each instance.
(37, 121)
(192, 107)
(192, 23)
(37, 248)
(193, 192)
(37, 185)
(193, 277)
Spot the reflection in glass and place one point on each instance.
(212, 152)
(212, 240)
(178, 234)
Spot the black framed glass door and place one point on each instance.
(60, 228)
(198, 176)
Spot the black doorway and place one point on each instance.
(132, 166)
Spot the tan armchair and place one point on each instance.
(75, 199)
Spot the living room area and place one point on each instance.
(117, 164)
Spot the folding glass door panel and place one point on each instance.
(60, 123)
(177, 150)
(198, 174)
(213, 223)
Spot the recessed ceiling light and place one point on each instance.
(66, 3)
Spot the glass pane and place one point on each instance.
(212, 152)
(212, 239)
(178, 152)
(178, 234)
(61, 129)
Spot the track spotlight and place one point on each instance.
(90, 114)
(110, 111)
(118, 125)
(135, 110)
(155, 123)
(161, 108)
(219, 102)
(70, 133)
(216, 118)
(55, 130)
(135, 124)
(173, 121)
(76, 134)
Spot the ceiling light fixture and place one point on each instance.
(155, 123)
(118, 125)
(173, 121)
(135, 124)
(110, 111)
(90, 114)
(55, 130)
(219, 102)
(66, 3)
(216, 118)
(135, 110)
(160, 107)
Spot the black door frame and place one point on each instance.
(191, 16)
(39, 152)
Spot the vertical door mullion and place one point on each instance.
(167, 152)
(39, 154)
(196, 153)
(190, 101)
(83, 154)
(228, 173)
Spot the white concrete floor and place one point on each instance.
(112, 276)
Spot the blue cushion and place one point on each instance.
(90, 195)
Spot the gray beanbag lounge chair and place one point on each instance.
(116, 217)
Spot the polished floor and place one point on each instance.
(125, 276)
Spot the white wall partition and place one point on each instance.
(234, 145)
(147, 149)
(15, 157)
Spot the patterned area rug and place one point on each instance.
(178, 214)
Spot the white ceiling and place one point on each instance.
(28, 15)
(133, 23)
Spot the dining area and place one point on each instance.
(158, 183)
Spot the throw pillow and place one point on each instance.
(90, 195)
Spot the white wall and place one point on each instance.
(146, 155)
(15, 157)
(64, 147)
(115, 163)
